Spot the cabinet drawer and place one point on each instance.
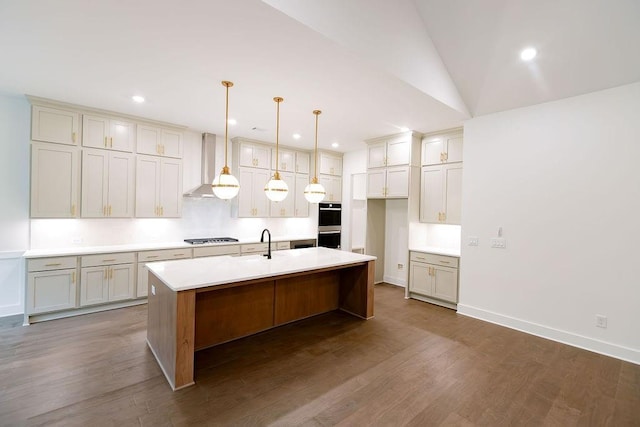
(164, 255)
(254, 248)
(108, 259)
(216, 250)
(446, 261)
(57, 263)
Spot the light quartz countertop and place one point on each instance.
(436, 250)
(137, 247)
(181, 275)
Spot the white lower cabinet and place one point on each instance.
(106, 277)
(433, 276)
(142, 284)
(51, 284)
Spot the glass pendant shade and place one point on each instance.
(276, 189)
(225, 186)
(314, 192)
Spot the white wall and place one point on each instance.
(562, 179)
(14, 194)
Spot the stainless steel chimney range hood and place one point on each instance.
(208, 164)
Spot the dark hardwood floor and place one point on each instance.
(414, 364)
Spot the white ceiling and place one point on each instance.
(371, 66)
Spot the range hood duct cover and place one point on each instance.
(208, 165)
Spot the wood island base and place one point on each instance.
(185, 321)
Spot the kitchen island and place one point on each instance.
(198, 303)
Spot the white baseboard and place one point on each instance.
(395, 281)
(564, 337)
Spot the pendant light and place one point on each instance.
(314, 192)
(226, 186)
(276, 189)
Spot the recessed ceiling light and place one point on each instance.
(137, 98)
(296, 136)
(528, 54)
(335, 145)
(232, 122)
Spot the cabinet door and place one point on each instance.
(245, 155)
(54, 125)
(301, 205)
(148, 140)
(51, 291)
(419, 278)
(121, 281)
(376, 182)
(122, 135)
(330, 164)
(333, 186)
(432, 149)
(95, 165)
(445, 283)
(95, 131)
(54, 181)
(286, 207)
(453, 193)
(302, 162)
(431, 197)
(120, 197)
(171, 143)
(142, 284)
(260, 201)
(397, 182)
(398, 153)
(454, 148)
(377, 155)
(171, 188)
(245, 195)
(94, 286)
(286, 160)
(147, 186)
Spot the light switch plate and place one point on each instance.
(153, 290)
(474, 241)
(498, 242)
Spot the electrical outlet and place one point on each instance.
(76, 240)
(153, 290)
(601, 321)
(473, 241)
(499, 243)
(400, 266)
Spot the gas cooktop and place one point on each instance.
(204, 240)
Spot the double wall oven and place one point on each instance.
(329, 224)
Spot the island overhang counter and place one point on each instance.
(198, 303)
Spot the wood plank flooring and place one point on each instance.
(414, 364)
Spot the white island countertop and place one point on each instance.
(181, 275)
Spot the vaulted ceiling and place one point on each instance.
(373, 67)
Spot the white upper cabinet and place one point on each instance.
(55, 125)
(109, 133)
(284, 208)
(252, 201)
(107, 184)
(329, 164)
(157, 141)
(158, 187)
(286, 160)
(392, 182)
(301, 205)
(54, 181)
(389, 153)
(439, 149)
(302, 162)
(441, 200)
(332, 186)
(253, 155)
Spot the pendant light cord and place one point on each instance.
(278, 100)
(315, 171)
